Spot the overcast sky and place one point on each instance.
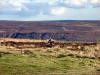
(32, 10)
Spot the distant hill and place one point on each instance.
(69, 30)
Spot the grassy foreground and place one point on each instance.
(38, 64)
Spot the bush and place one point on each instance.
(98, 68)
(28, 52)
(0, 55)
(32, 55)
(61, 55)
(70, 54)
(3, 53)
(78, 56)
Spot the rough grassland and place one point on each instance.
(34, 64)
(20, 57)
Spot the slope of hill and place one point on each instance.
(89, 50)
(58, 30)
(34, 57)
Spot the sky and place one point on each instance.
(37, 10)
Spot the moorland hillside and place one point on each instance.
(58, 30)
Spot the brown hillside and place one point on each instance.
(58, 30)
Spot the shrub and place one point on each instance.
(78, 56)
(3, 53)
(32, 55)
(61, 55)
(28, 52)
(70, 54)
(0, 55)
(98, 68)
(49, 51)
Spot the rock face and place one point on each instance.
(42, 36)
(58, 30)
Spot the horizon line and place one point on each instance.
(47, 20)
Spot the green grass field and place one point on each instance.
(38, 64)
